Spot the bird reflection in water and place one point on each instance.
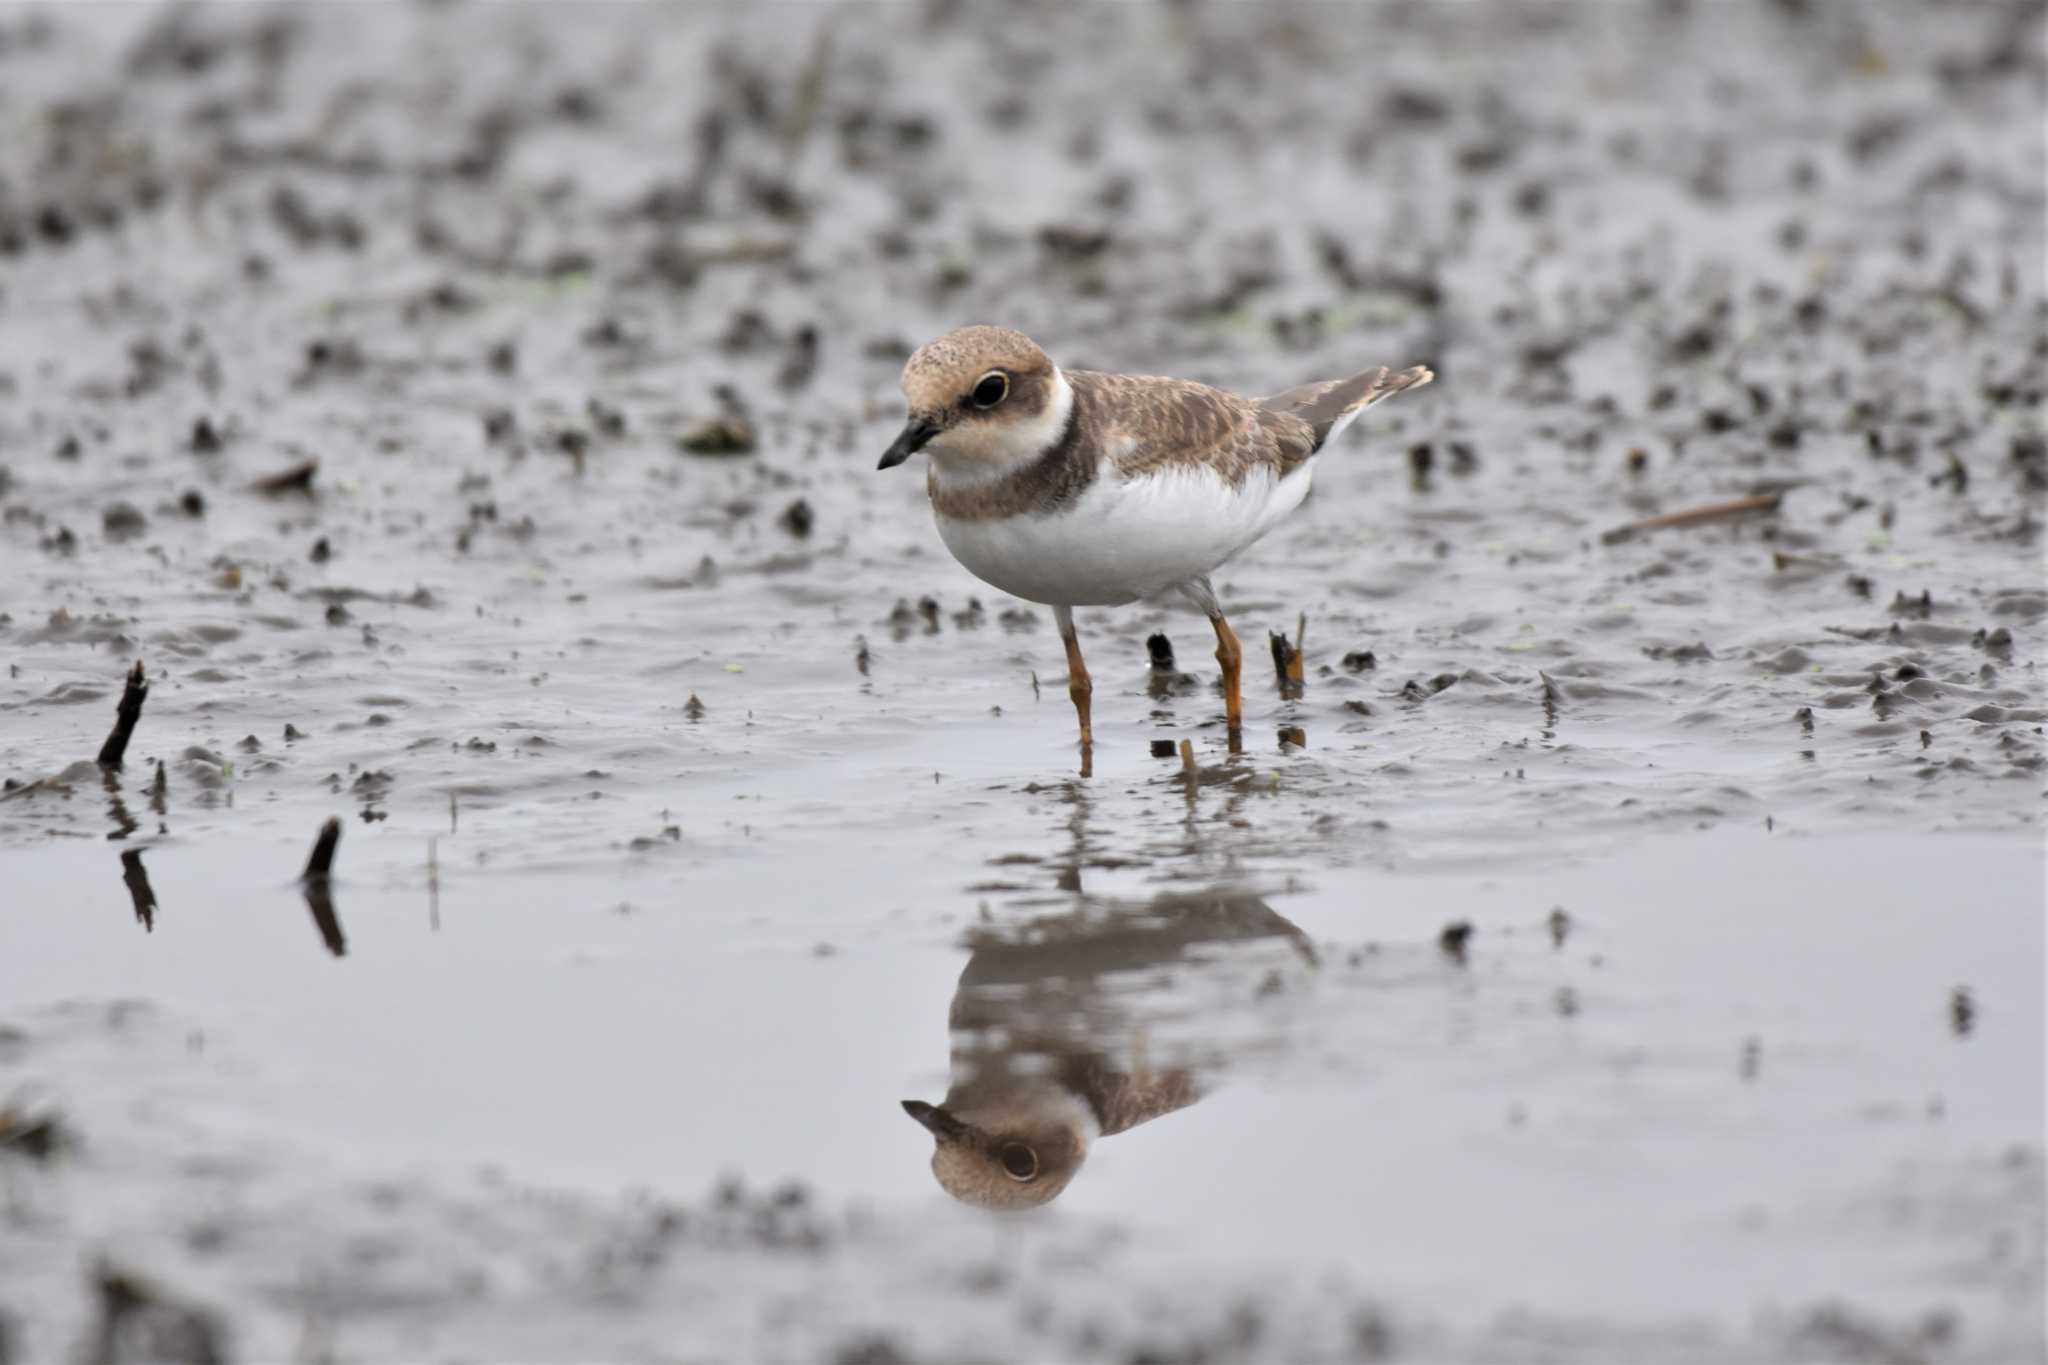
(1081, 1024)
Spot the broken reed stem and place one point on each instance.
(1286, 662)
(130, 712)
(322, 861)
(1694, 516)
(1187, 758)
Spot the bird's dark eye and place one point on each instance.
(1019, 1161)
(991, 389)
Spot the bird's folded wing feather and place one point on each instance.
(1148, 424)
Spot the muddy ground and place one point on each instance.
(1625, 945)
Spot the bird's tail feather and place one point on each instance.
(1331, 406)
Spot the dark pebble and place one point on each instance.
(1454, 937)
(123, 520)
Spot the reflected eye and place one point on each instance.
(991, 389)
(1019, 1161)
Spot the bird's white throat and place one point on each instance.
(976, 452)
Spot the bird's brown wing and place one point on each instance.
(1123, 1100)
(1323, 406)
(1146, 423)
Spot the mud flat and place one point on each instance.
(1625, 944)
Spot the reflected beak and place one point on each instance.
(941, 1124)
(909, 443)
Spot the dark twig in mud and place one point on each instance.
(314, 883)
(130, 712)
(296, 478)
(322, 862)
(1696, 516)
(1287, 657)
(135, 877)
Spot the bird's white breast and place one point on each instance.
(1125, 539)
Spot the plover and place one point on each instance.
(1074, 1027)
(1075, 488)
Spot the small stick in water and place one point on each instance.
(322, 861)
(296, 478)
(116, 747)
(1187, 758)
(1694, 516)
(313, 883)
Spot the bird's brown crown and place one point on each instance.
(940, 376)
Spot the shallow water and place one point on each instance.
(673, 817)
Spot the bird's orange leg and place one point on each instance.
(1228, 653)
(1231, 656)
(1079, 686)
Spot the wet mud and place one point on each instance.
(1619, 936)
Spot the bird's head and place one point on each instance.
(982, 399)
(1015, 1151)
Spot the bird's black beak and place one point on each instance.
(943, 1125)
(909, 443)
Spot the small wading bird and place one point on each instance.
(1054, 1032)
(1081, 489)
